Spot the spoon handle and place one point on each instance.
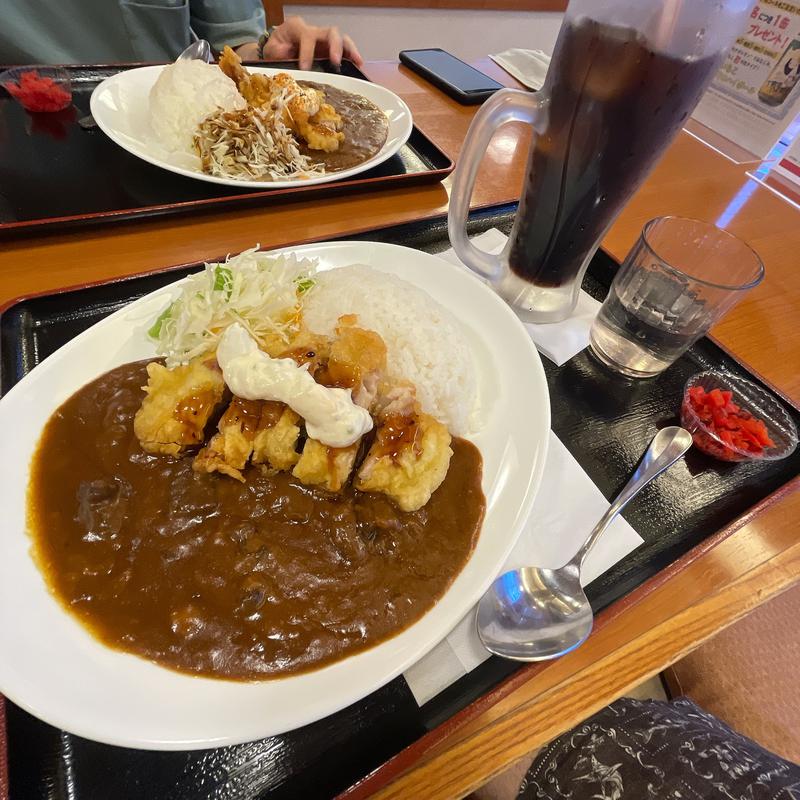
(668, 445)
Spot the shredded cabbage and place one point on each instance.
(258, 290)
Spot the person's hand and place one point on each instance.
(297, 39)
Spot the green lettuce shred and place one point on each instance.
(155, 329)
(304, 284)
(223, 280)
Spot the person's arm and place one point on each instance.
(295, 38)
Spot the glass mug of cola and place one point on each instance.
(624, 77)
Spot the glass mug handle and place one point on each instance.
(507, 105)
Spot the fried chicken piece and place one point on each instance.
(321, 130)
(309, 116)
(229, 450)
(304, 101)
(321, 134)
(308, 348)
(356, 361)
(401, 398)
(276, 437)
(178, 405)
(256, 88)
(306, 113)
(231, 64)
(408, 459)
(328, 467)
(328, 115)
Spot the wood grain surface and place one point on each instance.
(758, 559)
(754, 563)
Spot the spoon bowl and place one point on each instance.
(536, 613)
(533, 614)
(197, 51)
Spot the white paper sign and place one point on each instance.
(755, 95)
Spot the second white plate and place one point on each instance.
(120, 106)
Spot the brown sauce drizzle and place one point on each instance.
(395, 434)
(271, 412)
(248, 414)
(191, 407)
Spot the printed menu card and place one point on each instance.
(755, 95)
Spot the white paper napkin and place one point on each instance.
(559, 341)
(567, 506)
(529, 67)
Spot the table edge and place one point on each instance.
(406, 759)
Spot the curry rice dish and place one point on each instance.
(265, 508)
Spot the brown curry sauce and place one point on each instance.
(365, 129)
(210, 576)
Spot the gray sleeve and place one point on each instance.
(158, 30)
(231, 22)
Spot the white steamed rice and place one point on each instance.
(426, 344)
(185, 93)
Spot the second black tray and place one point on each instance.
(55, 175)
(604, 420)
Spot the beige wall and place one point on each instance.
(381, 33)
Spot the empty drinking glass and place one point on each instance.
(679, 279)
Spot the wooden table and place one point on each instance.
(758, 557)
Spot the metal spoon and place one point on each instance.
(199, 50)
(533, 613)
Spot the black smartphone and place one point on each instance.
(462, 82)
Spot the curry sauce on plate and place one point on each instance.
(365, 129)
(217, 577)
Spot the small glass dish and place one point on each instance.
(750, 398)
(38, 89)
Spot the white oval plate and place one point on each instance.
(53, 667)
(120, 104)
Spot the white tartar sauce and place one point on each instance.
(331, 416)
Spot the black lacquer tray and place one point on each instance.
(56, 175)
(604, 420)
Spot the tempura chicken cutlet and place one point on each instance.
(178, 405)
(404, 453)
(304, 109)
(294, 433)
